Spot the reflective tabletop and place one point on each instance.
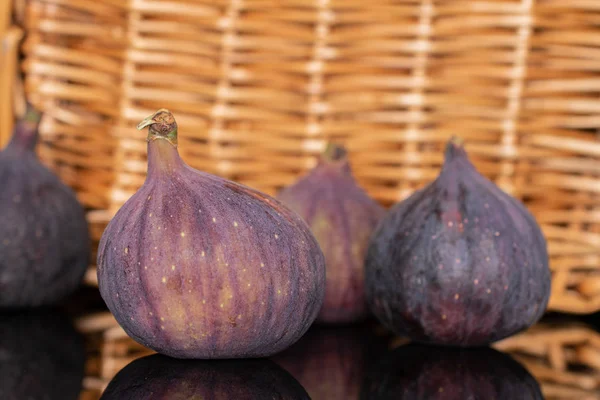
(80, 352)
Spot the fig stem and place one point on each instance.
(457, 141)
(31, 114)
(161, 125)
(455, 149)
(334, 152)
(26, 130)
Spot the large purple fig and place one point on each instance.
(196, 266)
(157, 377)
(459, 262)
(418, 372)
(342, 217)
(44, 239)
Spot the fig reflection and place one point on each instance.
(161, 377)
(331, 363)
(41, 356)
(425, 372)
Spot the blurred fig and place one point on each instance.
(342, 217)
(44, 239)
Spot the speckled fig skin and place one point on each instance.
(44, 239)
(459, 262)
(342, 217)
(158, 377)
(196, 266)
(418, 372)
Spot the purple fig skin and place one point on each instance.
(196, 266)
(443, 373)
(342, 217)
(44, 240)
(157, 377)
(459, 262)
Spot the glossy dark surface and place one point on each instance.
(331, 362)
(42, 357)
(160, 377)
(415, 371)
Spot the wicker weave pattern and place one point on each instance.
(564, 358)
(258, 86)
(74, 68)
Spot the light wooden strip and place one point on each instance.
(96, 322)
(9, 41)
(91, 277)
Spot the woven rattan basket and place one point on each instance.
(259, 86)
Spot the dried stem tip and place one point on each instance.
(457, 141)
(26, 130)
(455, 148)
(32, 115)
(162, 125)
(334, 152)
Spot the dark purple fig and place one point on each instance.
(418, 372)
(196, 266)
(459, 262)
(44, 239)
(158, 377)
(342, 216)
(331, 363)
(42, 356)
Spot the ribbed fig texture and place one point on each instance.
(44, 242)
(342, 217)
(459, 262)
(157, 377)
(420, 372)
(196, 266)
